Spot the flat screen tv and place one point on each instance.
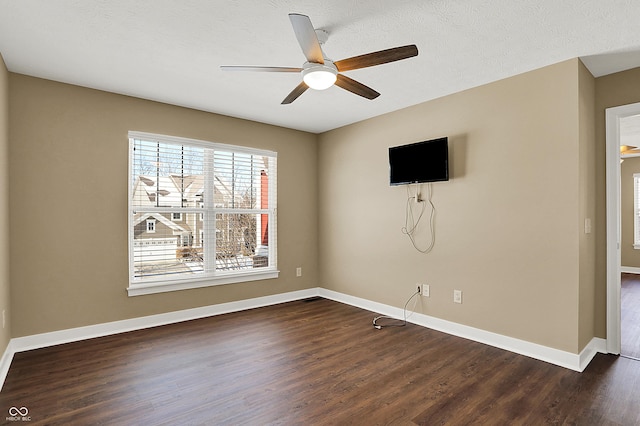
(419, 162)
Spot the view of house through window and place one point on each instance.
(199, 210)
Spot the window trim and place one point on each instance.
(152, 287)
(160, 285)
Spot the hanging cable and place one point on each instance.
(410, 225)
(405, 316)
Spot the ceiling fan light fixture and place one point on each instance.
(319, 76)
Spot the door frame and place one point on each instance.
(613, 116)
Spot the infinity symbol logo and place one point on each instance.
(22, 411)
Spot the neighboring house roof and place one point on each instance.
(160, 218)
(173, 189)
(170, 189)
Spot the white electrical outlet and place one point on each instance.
(425, 290)
(457, 296)
(298, 272)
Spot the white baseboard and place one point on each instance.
(36, 341)
(630, 269)
(5, 363)
(596, 345)
(577, 362)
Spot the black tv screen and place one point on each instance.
(419, 162)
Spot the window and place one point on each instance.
(210, 207)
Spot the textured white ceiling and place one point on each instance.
(171, 51)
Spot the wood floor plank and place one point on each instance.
(630, 315)
(310, 363)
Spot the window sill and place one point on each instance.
(636, 246)
(142, 288)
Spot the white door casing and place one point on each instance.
(613, 117)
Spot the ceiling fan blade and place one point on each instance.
(306, 35)
(355, 87)
(377, 58)
(259, 69)
(295, 93)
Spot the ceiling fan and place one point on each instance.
(627, 151)
(320, 72)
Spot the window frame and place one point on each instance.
(213, 277)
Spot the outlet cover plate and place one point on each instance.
(425, 290)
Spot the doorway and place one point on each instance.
(616, 118)
(630, 236)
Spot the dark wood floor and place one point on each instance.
(310, 363)
(630, 315)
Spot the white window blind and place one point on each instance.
(225, 199)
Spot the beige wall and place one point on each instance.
(5, 333)
(587, 166)
(610, 91)
(508, 225)
(68, 166)
(630, 257)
